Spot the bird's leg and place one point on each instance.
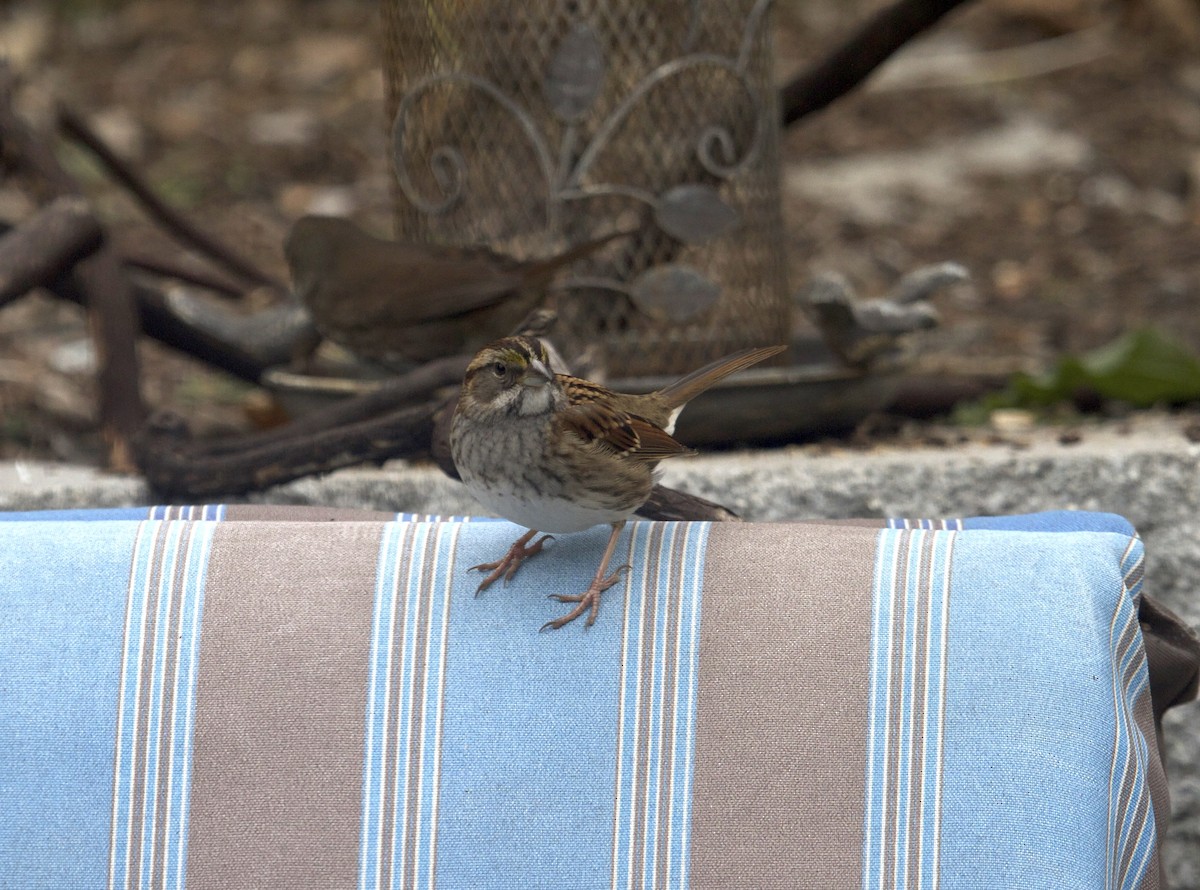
(590, 598)
(511, 561)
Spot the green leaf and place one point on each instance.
(1144, 367)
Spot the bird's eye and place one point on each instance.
(500, 369)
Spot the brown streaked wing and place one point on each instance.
(594, 417)
(598, 422)
(655, 443)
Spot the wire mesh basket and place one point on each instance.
(531, 127)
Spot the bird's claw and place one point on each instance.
(588, 601)
(508, 564)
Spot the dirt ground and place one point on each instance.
(1052, 148)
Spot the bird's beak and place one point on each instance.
(537, 374)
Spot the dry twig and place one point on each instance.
(35, 252)
(74, 127)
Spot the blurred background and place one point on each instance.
(1052, 147)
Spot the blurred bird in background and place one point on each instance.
(397, 302)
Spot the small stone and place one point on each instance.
(1007, 421)
(74, 357)
(1011, 279)
(298, 198)
(251, 64)
(294, 126)
(121, 131)
(334, 200)
(24, 35)
(317, 59)
(15, 204)
(1109, 191)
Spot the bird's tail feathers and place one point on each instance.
(686, 388)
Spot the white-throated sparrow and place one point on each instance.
(555, 453)
(401, 301)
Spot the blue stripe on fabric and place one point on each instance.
(113, 513)
(1037, 719)
(528, 715)
(61, 622)
(1054, 521)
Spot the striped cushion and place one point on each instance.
(281, 703)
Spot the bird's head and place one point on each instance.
(512, 376)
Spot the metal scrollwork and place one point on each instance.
(448, 163)
(691, 212)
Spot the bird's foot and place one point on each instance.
(507, 565)
(588, 601)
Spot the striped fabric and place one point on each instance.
(907, 712)
(263, 697)
(656, 707)
(1131, 839)
(155, 701)
(405, 705)
(948, 524)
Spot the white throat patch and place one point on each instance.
(535, 400)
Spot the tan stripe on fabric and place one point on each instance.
(891, 767)
(781, 710)
(172, 637)
(641, 760)
(278, 744)
(292, 513)
(417, 725)
(666, 745)
(400, 620)
(920, 684)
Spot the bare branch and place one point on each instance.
(868, 48)
(115, 327)
(46, 245)
(74, 127)
(175, 467)
(149, 260)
